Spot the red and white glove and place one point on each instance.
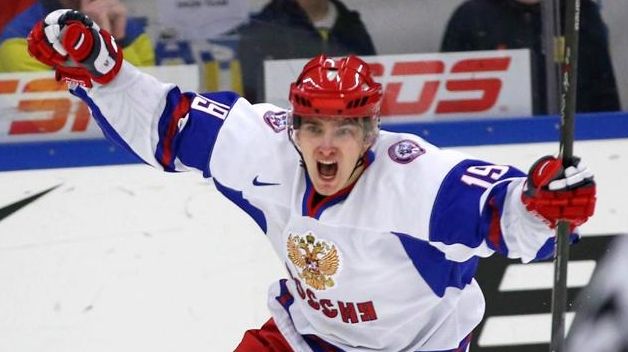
(77, 49)
(554, 193)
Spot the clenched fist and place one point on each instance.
(76, 47)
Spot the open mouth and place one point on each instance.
(327, 169)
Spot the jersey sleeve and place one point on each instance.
(478, 211)
(162, 126)
(218, 134)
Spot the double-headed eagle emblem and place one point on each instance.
(318, 260)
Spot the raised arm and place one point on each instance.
(165, 128)
(507, 211)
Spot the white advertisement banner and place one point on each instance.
(434, 87)
(35, 107)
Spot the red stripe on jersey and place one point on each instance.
(178, 113)
(495, 229)
(314, 211)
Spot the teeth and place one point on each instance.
(324, 162)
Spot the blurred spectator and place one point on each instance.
(207, 38)
(516, 24)
(287, 29)
(109, 14)
(602, 308)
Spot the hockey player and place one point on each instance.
(380, 233)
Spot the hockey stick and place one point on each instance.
(569, 70)
(551, 44)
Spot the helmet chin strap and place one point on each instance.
(294, 143)
(359, 162)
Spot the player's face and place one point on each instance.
(331, 148)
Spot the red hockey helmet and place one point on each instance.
(336, 88)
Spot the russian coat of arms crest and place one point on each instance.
(318, 260)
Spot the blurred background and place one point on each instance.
(99, 253)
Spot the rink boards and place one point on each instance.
(122, 257)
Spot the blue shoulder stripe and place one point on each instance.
(225, 98)
(238, 199)
(437, 271)
(456, 216)
(192, 145)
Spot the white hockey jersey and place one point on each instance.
(386, 265)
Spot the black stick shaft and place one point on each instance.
(567, 112)
(550, 30)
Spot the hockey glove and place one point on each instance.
(77, 49)
(554, 193)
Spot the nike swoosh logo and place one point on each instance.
(6, 211)
(260, 183)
